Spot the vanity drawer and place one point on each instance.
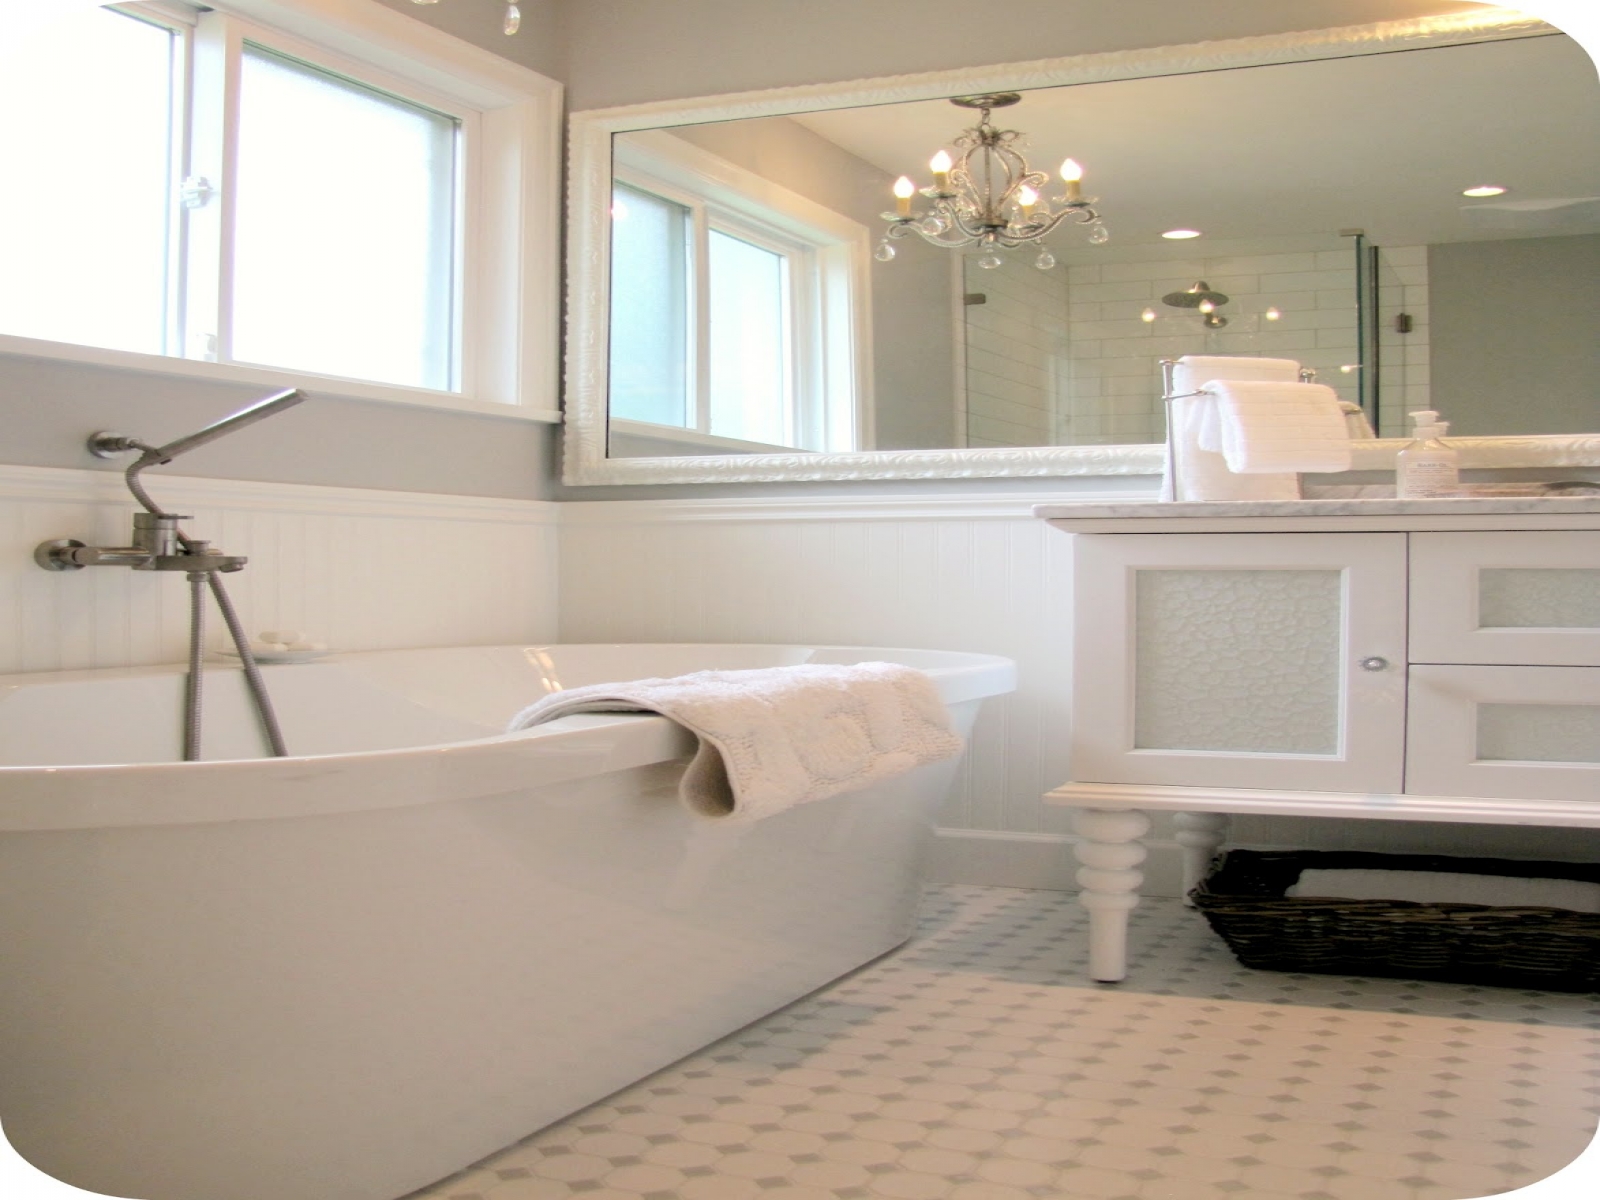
(1515, 598)
(1504, 731)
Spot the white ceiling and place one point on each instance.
(1383, 143)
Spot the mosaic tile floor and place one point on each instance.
(976, 1063)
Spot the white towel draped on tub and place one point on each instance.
(774, 737)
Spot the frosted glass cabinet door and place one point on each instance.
(1240, 660)
(1514, 598)
(1521, 732)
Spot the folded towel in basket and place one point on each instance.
(774, 737)
(1448, 887)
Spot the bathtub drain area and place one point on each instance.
(978, 1063)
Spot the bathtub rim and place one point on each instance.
(43, 797)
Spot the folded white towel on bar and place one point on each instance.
(1264, 426)
(1202, 474)
(774, 737)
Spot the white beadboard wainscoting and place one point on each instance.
(355, 568)
(975, 572)
(362, 569)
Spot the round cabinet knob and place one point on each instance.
(1374, 663)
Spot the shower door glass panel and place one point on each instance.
(1238, 661)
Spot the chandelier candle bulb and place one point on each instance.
(1027, 198)
(903, 191)
(940, 164)
(1072, 176)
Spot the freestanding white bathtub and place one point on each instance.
(345, 974)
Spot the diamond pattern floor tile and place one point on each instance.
(977, 1063)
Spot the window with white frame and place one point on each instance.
(227, 186)
(738, 310)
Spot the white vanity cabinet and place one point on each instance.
(1418, 660)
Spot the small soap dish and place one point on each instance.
(282, 646)
(274, 657)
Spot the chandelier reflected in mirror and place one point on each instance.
(989, 196)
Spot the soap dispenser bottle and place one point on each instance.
(1427, 467)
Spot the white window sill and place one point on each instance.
(268, 377)
(692, 440)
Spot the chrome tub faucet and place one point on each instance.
(158, 544)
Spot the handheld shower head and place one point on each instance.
(108, 445)
(245, 416)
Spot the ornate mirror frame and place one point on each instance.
(588, 272)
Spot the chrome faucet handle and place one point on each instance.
(69, 554)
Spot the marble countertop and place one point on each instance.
(1508, 512)
(1327, 507)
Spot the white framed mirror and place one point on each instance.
(884, 377)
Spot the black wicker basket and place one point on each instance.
(1550, 948)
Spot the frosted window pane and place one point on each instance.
(649, 374)
(344, 261)
(1539, 733)
(85, 211)
(1539, 598)
(1238, 660)
(749, 344)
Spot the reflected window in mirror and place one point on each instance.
(737, 311)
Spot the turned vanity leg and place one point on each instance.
(1201, 836)
(1110, 854)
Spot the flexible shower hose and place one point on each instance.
(241, 641)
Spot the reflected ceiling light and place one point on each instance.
(1180, 234)
(1485, 189)
(989, 196)
(1148, 316)
(1272, 314)
(512, 22)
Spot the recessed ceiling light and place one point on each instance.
(1178, 234)
(1485, 189)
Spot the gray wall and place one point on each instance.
(1514, 335)
(50, 408)
(631, 51)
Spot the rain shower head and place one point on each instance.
(1194, 297)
